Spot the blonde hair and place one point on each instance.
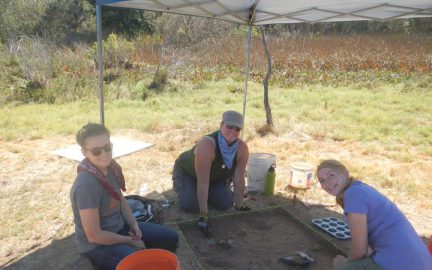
(339, 167)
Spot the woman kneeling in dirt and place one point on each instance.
(105, 229)
(374, 222)
(204, 173)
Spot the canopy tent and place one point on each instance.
(284, 11)
(262, 12)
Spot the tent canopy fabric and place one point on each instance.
(262, 12)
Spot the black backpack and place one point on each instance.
(150, 212)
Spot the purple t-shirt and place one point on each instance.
(395, 243)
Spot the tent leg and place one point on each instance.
(100, 64)
(248, 46)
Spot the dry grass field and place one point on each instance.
(327, 102)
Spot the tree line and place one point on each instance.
(70, 21)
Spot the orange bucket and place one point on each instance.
(150, 259)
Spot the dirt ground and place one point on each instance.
(256, 240)
(37, 227)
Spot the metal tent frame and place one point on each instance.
(263, 12)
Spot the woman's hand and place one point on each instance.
(339, 260)
(135, 231)
(135, 237)
(138, 244)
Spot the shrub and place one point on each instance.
(36, 59)
(19, 18)
(160, 80)
(116, 53)
(67, 21)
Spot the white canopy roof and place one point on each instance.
(260, 12)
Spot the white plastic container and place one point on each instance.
(257, 167)
(301, 174)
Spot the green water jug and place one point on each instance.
(270, 178)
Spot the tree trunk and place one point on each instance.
(269, 117)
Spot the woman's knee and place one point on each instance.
(171, 240)
(159, 236)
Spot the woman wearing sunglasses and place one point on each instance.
(374, 222)
(203, 174)
(105, 229)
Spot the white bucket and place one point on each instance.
(301, 174)
(257, 167)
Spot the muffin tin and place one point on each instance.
(334, 227)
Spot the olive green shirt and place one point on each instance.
(218, 171)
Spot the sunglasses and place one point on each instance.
(233, 127)
(97, 151)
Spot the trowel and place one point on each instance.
(300, 259)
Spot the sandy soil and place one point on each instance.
(37, 221)
(256, 240)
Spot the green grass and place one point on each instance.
(381, 133)
(386, 114)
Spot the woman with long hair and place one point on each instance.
(375, 222)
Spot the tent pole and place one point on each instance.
(248, 46)
(100, 64)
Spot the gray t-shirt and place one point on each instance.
(87, 193)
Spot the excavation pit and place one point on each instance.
(256, 240)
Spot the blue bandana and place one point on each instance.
(228, 152)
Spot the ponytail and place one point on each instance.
(340, 196)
